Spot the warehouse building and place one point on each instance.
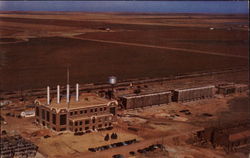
(230, 138)
(190, 94)
(231, 88)
(86, 112)
(141, 100)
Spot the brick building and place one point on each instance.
(87, 112)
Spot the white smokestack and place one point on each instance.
(67, 93)
(77, 92)
(58, 94)
(48, 95)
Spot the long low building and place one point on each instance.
(86, 112)
(231, 88)
(141, 100)
(189, 94)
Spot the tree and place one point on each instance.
(113, 136)
(106, 138)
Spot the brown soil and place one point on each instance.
(48, 46)
(46, 60)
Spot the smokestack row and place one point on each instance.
(67, 94)
(58, 94)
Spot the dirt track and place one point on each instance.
(160, 47)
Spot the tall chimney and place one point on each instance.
(58, 94)
(48, 95)
(77, 92)
(67, 93)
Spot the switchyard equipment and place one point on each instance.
(189, 94)
(141, 100)
(16, 146)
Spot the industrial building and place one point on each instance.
(230, 138)
(79, 113)
(189, 94)
(28, 113)
(141, 100)
(230, 88)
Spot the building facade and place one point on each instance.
(231, 88)
(230, 138)
(87, 113)
(142, 100)
(190, 94)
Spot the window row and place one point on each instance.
(63, 117)
(93, 127)
(86, 111)
(93, 121)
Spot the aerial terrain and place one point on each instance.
(42, 48)
(97, 45)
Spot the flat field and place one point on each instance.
(37, 47)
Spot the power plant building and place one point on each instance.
(189, 94)
(142, 100)
(87, 112)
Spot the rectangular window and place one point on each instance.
(47, 116)
(81, 112)
(95, 109)
(100, 109)
(100, 125)
(80, 123)
(76, 123)
(43, 114)
(86, 128)
(71, 113)
(63, 129)
(85, 111)
(86, 122)
(71, 123)
(80, 129)
(105, 108)
(63, 119)
(75, 112)
(91, 110)
(37, 111)
(112, 110)
(54, 119)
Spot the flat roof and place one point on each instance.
(85, 100)
(195, 88)
(129, 96)
(240, 135)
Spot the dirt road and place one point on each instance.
(160, 47)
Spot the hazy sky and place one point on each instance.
(129, 6)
